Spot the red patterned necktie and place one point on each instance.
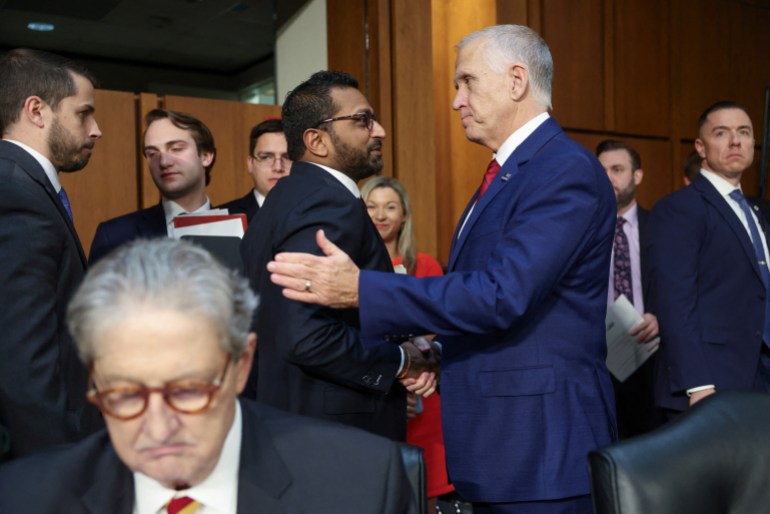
(489, 176)
(183, 505)
(622, 256)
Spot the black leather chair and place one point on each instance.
(415, 470)
(713, 459)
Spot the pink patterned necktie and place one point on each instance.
(183, 505)
(489, 176)
(622, 256)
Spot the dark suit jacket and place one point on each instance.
(246, 205)
(288, 465)
(708, 293)
(42, 382)
(525, 392)
(312, 359)
(147, 223)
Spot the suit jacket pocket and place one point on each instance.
(717, 335)
(518, 382)
(339, 400)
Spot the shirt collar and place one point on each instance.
(173, 209)
(518, 137)
(346, 181)
(632, 215)
(218, 492)
(47, 166)
(260, 197)
(722, 186)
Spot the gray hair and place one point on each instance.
(163, 273)
(509, 44)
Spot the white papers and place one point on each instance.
(624, 354)
(210, 223)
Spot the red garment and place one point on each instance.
(425, 430)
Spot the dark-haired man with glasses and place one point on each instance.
(312, 359)
(164, 330)
(268, 162)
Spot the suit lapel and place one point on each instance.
(712, 196)
(507, 174)
(153, 222)
(33, 169)
(262, 476)
(112, 489)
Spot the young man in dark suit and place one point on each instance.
(48, 126)
(313, 360)
(164, 329)
(710, 282)
(180, 153)
(267, 163)
(628, 276)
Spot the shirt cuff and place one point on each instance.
(693, 390)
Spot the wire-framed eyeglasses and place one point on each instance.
(129, 402)
(366, 118)
(268, 160)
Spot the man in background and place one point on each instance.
(48, 126)
(628, 276)
(710, 281)
(180, 153)
(164, 329)
(268, 162)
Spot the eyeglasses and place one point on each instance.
(129, 402)
(366, 118)
(268, 160)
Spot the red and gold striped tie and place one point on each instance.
(183, 505)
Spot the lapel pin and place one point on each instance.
(505, 177)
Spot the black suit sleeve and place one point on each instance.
(323, 341)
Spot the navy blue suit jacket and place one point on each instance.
(146, 223)
(525, 392)
(708, 294)
(42, 382)
(288, 464)
(245, 205)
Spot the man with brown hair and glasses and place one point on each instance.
(267, 163)
(164, 330)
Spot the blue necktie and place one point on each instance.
(65, 202)
(760, 254)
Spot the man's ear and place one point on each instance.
(207, 158)
(638, 176)
(317, 142)
(519, 76)
(245, 362)
(33, 110)
(700, 148)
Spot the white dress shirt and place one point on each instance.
(218, 493)
(172, 209)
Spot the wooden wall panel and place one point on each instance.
(148, 193)
(640, 42)
(108, 186)
(230, 123)
(413, 132)
(574, 33)
(460, 163)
